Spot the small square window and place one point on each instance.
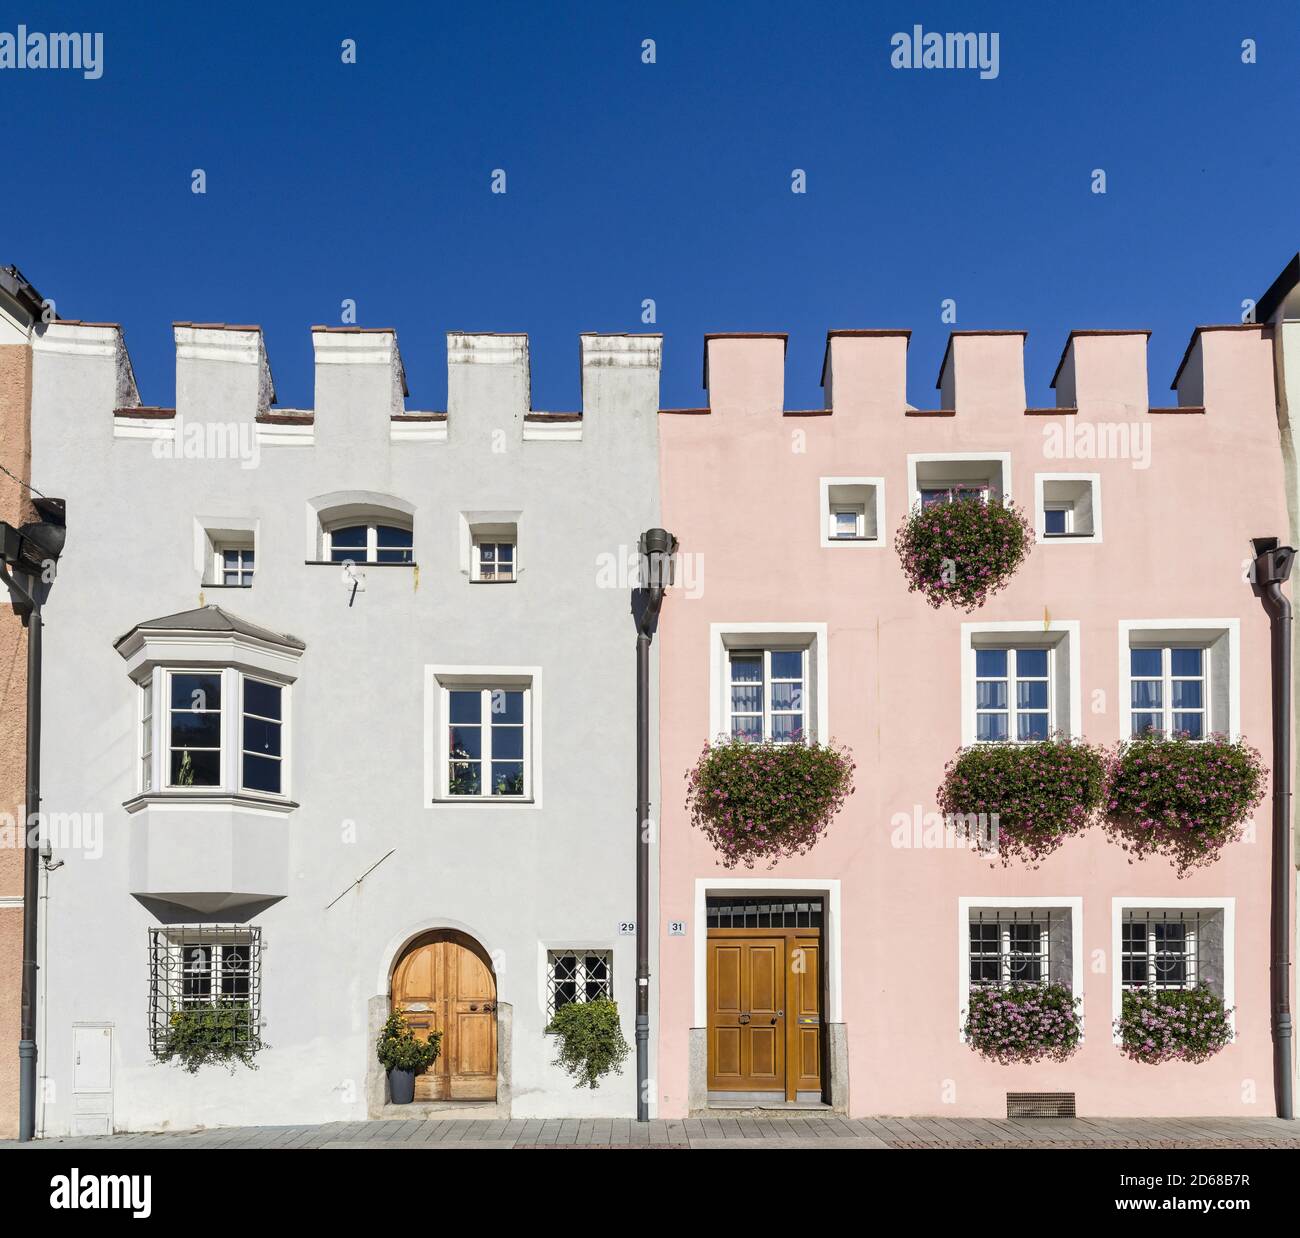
(1069, 506)
(852, 511)
(494, 559)
(235, 566)
(1056, 519)
(577, 976)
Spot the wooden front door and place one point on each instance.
(764, 1012)
(444, 983)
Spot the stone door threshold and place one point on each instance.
(441, 1110)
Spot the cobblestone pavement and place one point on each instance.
(744, 1132)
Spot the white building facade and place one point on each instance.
(339, 713)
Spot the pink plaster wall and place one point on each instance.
(741, 491)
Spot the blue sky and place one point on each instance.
(670, 181)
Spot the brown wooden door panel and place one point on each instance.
(443, 984)
(764, 1011)
(805, 1016)
(746, 1036)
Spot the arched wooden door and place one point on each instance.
(444, 982)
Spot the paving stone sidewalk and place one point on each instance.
(768, 1131)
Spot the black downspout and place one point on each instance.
(31, 889)
(1269, 572)
(642, 871)
(1279, 609)
(657, 547)
(31, 612)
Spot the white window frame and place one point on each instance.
(1042, 505)
(165, 747)
(372, 524)
(282, 722)
(219, 569)
(874, 498)
(215, 970)
(1000, 458)
(494, 539)
(1073, 904)
(232, 735)
(215, 534)
(439, 680)
(1058, 636)
(146, 741)
(1227, 907)
(725, 637)
(767, 710)
(1225, 637)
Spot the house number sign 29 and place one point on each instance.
(627, 928)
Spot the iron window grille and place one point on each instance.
(1159, 949)
(196, 967)
(1018, 947)
(577, 976)
(747, 913)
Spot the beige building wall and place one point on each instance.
(15, 455)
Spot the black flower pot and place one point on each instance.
(401, 1086)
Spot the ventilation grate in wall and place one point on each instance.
(1040, 1104)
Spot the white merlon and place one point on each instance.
(231, 359)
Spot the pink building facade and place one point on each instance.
(1142, 519)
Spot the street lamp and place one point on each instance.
(657, 547)
(1269, 571)
(30, 551)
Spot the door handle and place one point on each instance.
(473, 1006)
(779, 1015)
(743, 1019)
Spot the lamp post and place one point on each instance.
(657, 547)
(1268, 573)
(29, 552)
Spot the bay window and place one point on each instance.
(202, 742)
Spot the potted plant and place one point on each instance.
(1022, 801)
(591, 1040)
(767, 800)
(197, 1036)
(404, 1056)
(1023, 1023)
(1182, 798)
(1173, 1025)
(961, 552)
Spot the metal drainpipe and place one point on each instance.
(1279, 609)
(31, 859)
(657, 547)
(31, 886)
